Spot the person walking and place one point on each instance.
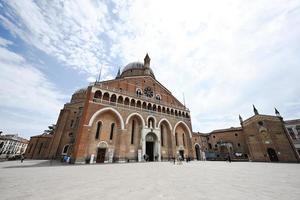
(22, 158)
(229, 158)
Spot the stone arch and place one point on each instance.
(144, 105)
(132, 103)
(185, 125)
(168, 111)
(102, 144)
(105, 96)
(138, 115)
(104, 110)
(138, 104)
(126, 101)
(179, 113)
(149, 107)
(154, 107)
(120, 100)
(113, 98)
(172, 111)
(183, 114)
(176, 113)
(98, 94)
(164, 110)
(159, 109)
(164, 119)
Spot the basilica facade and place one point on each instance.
(134, 118)
(130, 118)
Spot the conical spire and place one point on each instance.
(241, 119)
(255, 110)
(119, 73)
(147, 61)
(277, 113)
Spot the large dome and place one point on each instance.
(133, 65)
(137, 69)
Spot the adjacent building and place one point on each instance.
(12, 146)
(293, 129)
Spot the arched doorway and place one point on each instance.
(101, 151)
(272, 155)
(151, 147)
(197, 150)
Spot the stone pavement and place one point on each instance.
(195, 180)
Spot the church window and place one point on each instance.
(158, 97)
(99, 125)
(162, 135)
(65, 150)
(209, 146)
(216, 145)
(183, 141)
(40, 148)
(138, 92)
(176, 139)
(260, 123)
(72, 123)
(112, 131)
(239, 144)
(132, 131)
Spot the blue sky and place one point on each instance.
(223, 55)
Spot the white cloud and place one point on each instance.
(224, 55)
(66, 30)
(26, 96)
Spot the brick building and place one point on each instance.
(124, 119)
(293, 129)
(134, 117)
(38, 147)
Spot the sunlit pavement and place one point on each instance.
(195, 180)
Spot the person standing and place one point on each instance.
(229, 158)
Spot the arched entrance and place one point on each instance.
(151, 147)
(272, 155)
(101, 151)
(197, 150)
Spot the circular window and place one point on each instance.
(148, 92)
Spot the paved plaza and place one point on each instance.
(195, 180)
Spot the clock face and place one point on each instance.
(148, 92)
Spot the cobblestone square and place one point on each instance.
(157, 180)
